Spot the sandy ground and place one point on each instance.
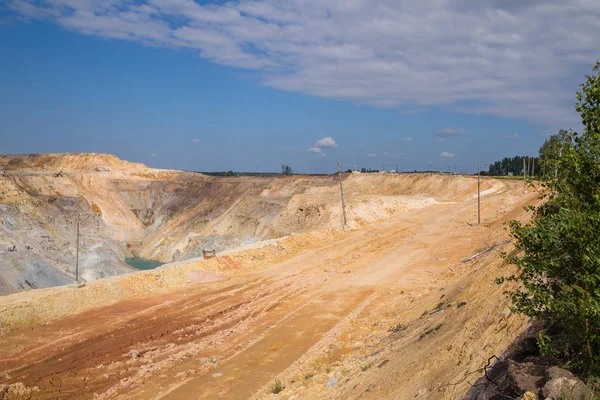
(128, 209)
(316, 315)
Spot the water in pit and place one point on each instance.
(142, 263)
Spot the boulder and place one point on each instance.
(563, 384)
(525, 377)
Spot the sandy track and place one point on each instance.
(162, 345)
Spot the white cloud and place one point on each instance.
(401, 154)
(451, 132)
(514, 136)
(152, 155)
(406, 139)
(195, 140)
(371, 155)
(413, 111)
(507, 58)
(326, 142)
(446, 154)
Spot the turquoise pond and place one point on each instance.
(142, 263)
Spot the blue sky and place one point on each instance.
(249, 85)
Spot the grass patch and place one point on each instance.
(461, 304)
(277, 387)
(430, 331)
(510, 178)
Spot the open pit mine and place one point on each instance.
(401, 304)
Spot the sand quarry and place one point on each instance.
(401, 305)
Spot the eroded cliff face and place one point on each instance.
(126, 209)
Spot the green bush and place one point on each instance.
(277, 387)
(559, 259)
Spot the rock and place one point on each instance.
(217, 375)
(525, 377)
(332, 382)
(529, 396)
(214, 359)
(134, 354)
(557, 372)
(563, 384)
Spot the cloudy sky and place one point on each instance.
(249, 85)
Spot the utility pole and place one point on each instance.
(342, 194)
(77, 253)
(478, 195)
(533, 169)
(524, 177)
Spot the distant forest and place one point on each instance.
(514, 166)
(546, 164)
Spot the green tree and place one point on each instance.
(514, 166)
(559, 260)
(551, 151)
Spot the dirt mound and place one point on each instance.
(67, 162)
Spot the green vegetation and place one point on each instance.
(431, 330)
(513, 166)
(559, 250)
(277, 387)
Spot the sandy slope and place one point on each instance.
(312, 309)
(128, 209)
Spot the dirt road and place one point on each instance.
(228, 339)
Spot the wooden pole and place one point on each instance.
(524, 177)
(342, 194)
(478, 195)
(77, 253)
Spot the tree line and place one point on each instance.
(546, 164)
